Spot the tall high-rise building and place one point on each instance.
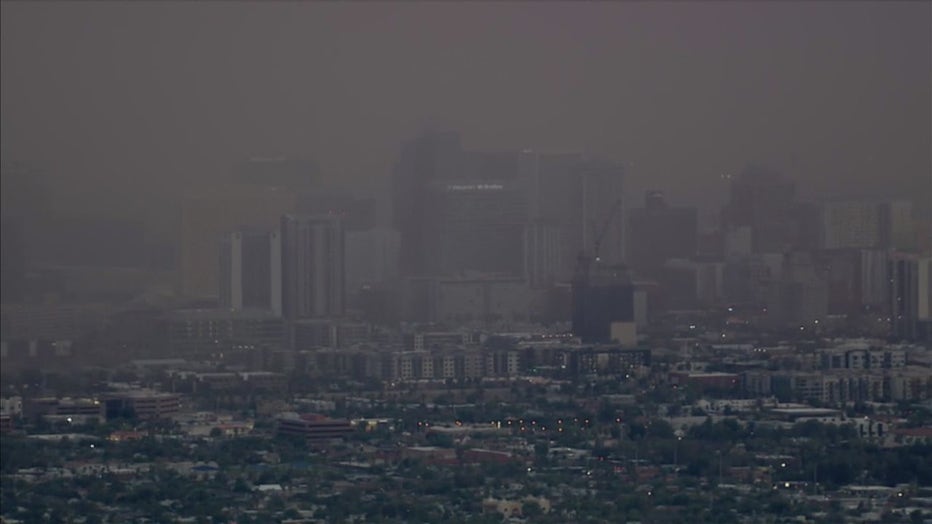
(897, 228)
(873, 287)
(371, 257)
(251, 271)
(476, 226)
(571, 201)
(764, 201)
(658, 232)
(868, 224)
(924, 280)
(924, 300)
(356, 213)
(553, 235)
(522, 214)
(458, 210)
(312, 266)
(903, 271)
(429, 157)
(206, 217)
(850, 224)
(546, 259)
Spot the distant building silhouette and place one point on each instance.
(312, 266)
(523, 214)
(603, 303)
(764, 201)
(904, 278)
(429, 157)
(251, 270)
(658, 232)
(206, 217)
(371, 257)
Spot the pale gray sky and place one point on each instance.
(119, 101)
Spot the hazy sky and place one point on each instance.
(134, 99)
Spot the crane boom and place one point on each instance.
(597, 244)
(584, 260)
(583, 267)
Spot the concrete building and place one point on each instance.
(312, 266)
(355, 213)
(764, 201)
(658, 233)
(195, 331)
(897, 227)
(36, 408)
(482, 300)
(850, 224)
(430, 157)
(904, 280)
(554, 194)
(523, 214)
(372, 257)
(313, 333)
(571, 200)
(142, 404)
(206, 217)
(874, 288)
(251, 271)
(605, 298)
(476, 226)
(313, 427)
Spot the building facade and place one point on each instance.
(251, 271)
(312, 266)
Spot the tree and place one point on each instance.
(531, 509)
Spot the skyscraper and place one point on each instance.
(251, 271)
(312, 266)
(850, 224)
(429, 157)
(524, 214)
(371, 257)
(764, 201)
(553, 236)
(206, 217)
(904, 295)
(476, 226)
(897, 228)
(658, 232)
(571, 201)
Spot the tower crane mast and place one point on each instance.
(585, 260)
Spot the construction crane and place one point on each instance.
(584, 260)
(583, 268)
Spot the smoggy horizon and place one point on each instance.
(123, 105)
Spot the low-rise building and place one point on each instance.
(313, 427)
